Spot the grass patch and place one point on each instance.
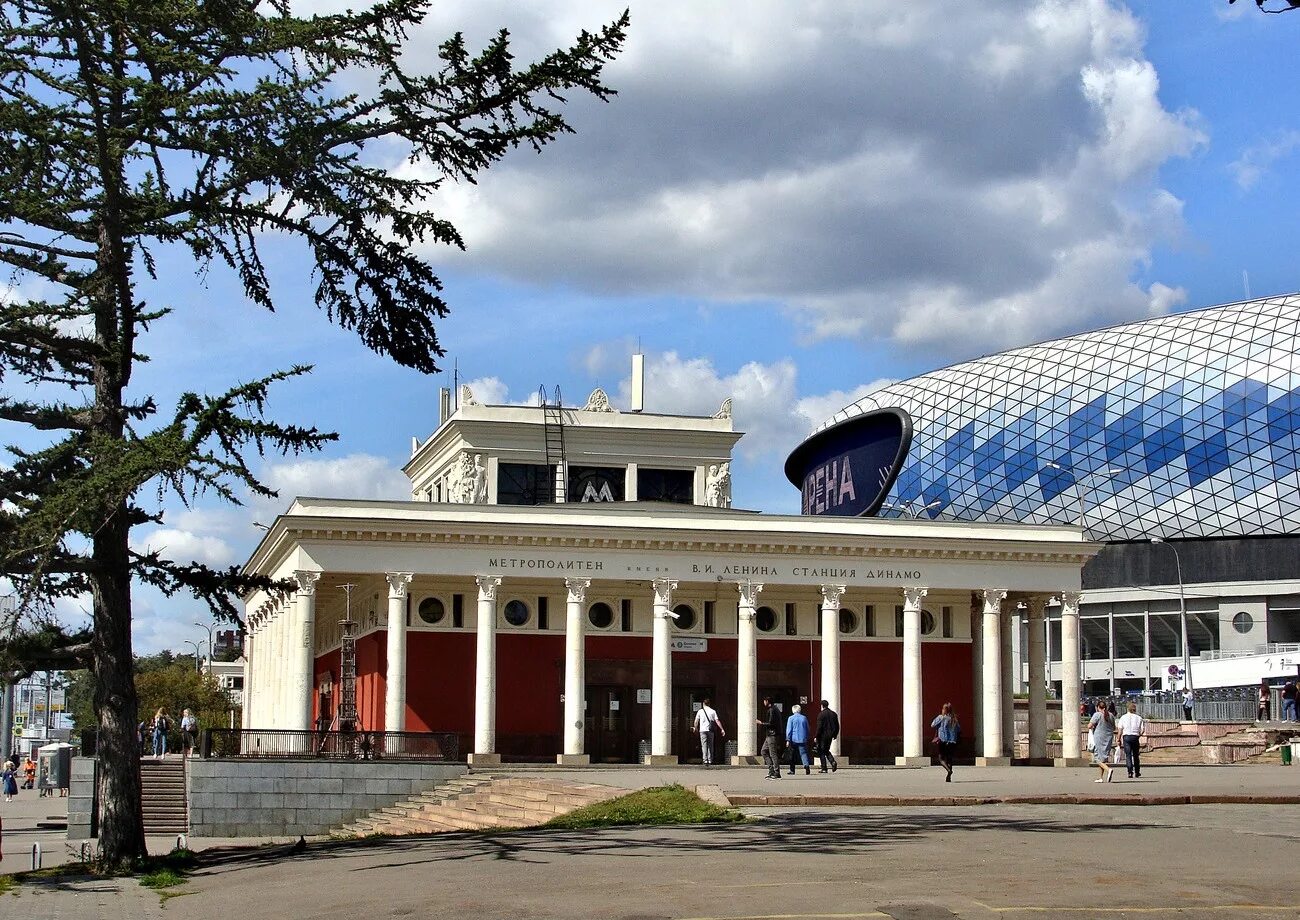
(655, 806)
(7, 884)
(162, 878)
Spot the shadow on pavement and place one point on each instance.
(806, 832)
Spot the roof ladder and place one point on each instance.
(553, 425)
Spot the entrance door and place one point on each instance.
(608, 738)
(686, 702)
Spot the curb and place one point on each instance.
(891, 801)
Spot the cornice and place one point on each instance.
(353, 534)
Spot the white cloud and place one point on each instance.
(954, 177)
(353, 476)
(1255, 162)
(185, 546)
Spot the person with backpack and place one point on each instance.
(189, 728)
(947, 732)
(161, 726)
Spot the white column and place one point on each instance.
(250, 650)
(661, 680)
(302, 651)
(977, 667)
(485, 673)
(575, 673)
(395, 685)
(1010, 624)
(991, 674)
(275, 718)
(1071, 691)
(747, 672)
(913, 711)
(831, 595)
(1037, 679)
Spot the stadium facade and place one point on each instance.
(1173, 439)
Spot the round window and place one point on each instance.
(600, 615)
(927, 622)
(765, 619)
(1243, 622)
(848, 620)
(685, 616)
(516, 613)
(432, 610)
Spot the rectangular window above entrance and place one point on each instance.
(597, 483)
(665, 486)
(524, 483)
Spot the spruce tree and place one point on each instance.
(137, 128)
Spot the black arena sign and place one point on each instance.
(849, 468)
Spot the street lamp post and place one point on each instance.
(1078, 487)
(197, 645)
(1182, 613)
(910, 509)
(210, 646)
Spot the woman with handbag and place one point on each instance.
(947, 731)
(1102, 728)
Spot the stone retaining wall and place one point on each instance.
(285, 798)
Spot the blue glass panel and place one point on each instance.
(989, 455)
(1123, 434)
(1164, 445)
(959, 445)
(1087, 422)
(1206, 459)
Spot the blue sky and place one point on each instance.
(790, 206)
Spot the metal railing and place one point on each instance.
(1273, 648)
(332, 745)
(1202, 710)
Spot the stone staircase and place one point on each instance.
(479, 802)
(162, 796)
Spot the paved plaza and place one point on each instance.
(919, 862)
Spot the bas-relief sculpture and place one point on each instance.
(717, 486)
(598, 401)
(468, 483)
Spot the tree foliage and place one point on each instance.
(132, 130)
(1275, 6)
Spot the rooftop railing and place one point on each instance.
(332, 745)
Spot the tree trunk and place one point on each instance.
(121, 824)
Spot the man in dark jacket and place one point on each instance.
(828, 729)
(770, 724)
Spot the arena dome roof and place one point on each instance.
(1179, 426)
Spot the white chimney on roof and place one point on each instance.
(638, 382)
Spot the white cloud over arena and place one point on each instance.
(955, 177)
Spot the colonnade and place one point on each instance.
(280, 654)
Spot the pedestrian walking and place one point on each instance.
(9, 780)
(1262, 715)
(29, 773)
(947, 732)
(1101, 729)
(189, 729)
(796, 739)
(771, 724)
(828, 729)
(1187, 703)
(161, 725)
(710, 728)
(1288, 701)
(1131, 729)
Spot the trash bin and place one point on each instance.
(1286, 755)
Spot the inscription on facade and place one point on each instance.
(557, 565)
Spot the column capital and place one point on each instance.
(306, 581)
(577, 589)
(993, 598)
(831, 595)
(664, 588)
(398, 583)
(1037, 605)
(1070, 603)
(749, 592)
(487, 586)
(912, 597)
